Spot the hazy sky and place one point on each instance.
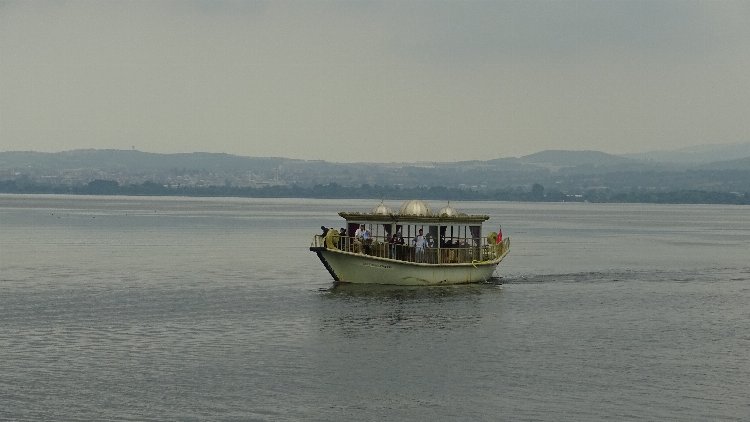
(373, 80)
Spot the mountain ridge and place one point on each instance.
(559, 170)
(559, 157)
(696, 153)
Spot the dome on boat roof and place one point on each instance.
(415, 207)
(448, 211)
(382, 209)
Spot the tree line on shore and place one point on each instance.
(536, 193)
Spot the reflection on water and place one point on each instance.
(392, 292)
(354, 309)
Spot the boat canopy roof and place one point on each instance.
(458, 219)
(414, 211)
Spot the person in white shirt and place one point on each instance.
(419, 244)
(358, 233)
(359, 238)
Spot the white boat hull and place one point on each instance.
(364, 269)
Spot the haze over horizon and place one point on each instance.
(374, 81)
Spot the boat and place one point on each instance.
(413, 246)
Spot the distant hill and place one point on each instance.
(133, 160)
(574, 158)
(741, 164)
(696, 154)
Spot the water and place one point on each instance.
(115, 308)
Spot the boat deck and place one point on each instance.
(463, 254)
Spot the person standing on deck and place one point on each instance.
(342, 239)
(499, 239)
(359, 238)
(396, 245)
(419, 244)
(366, 240)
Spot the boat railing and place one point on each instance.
(461, 254)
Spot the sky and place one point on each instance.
(383, 81)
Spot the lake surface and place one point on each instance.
(133, 308)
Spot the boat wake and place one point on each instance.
(618, 275)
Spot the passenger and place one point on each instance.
(323, 236)
(359, 239)
(360, 230)
(367, 241)
(342, 238)
(391, 240)
(444, 253)
(419, 243)
(449, 246)
(396, 245)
